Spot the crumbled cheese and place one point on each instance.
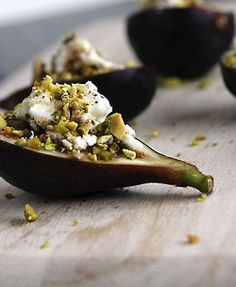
(132, 143)
(67, 144)
(129, 130)
(99, 106)
(86, 52)
(38, 107)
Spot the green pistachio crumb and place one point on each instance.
(130, 154)
(3, 123)
(50, 147)
(194, 143)
(45, 245)
(104, 139)
(105, 155)
(172, 82)
(203, 84)
(22, 142)
(34, 143)
(200, 137)
(29, 213)
(214, 144)
(155, 133)
(178, 154)
(202, 198)
(75, 222)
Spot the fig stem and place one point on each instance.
(204, 183)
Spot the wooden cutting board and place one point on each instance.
(134, 236)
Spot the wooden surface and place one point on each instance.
(135, 236)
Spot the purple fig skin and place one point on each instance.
(182, 42)
(229, 77)
(130, 90)
(56, 174)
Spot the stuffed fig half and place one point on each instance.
(62, 141)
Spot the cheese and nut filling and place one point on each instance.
(76, 57)
(70, 119)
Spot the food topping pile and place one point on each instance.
(70, 119)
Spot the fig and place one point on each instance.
(57, 174)
(129, 88)
(184, 39)
(228, 69)
(62, 141)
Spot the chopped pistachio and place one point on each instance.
(130, 154)
(194, 143)
(30, 214)
(178, 154)
(104, 139)
(22, 142)
(34, 143)
(3, 123)
(45, 245)
(193, 239)
(203, 84)
(116, 206)
(117, 126)
(230, 60)
(200, 137)
(202, 198)
(172, 82)
(231, 141)
(75, 222)
(155, 133)
(105, 155)
(92, 157)
(50, 147)
(72, 126)
(214, 144)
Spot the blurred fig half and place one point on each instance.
(228, 69)
(130, 90)
(181, 41)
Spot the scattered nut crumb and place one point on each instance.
(201, 198)
(204, 84)
(45, 245)
(214, 144)
(155, 133)
(9, 196)
(200, 137)
(116, 206)
(194, 143)
(178, 154)
(231, 141)
(172, 82)
(29, 213)
(75, 222)
(193, 239)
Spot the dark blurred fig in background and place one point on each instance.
(180, 38)
(228, 69)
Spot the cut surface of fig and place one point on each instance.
(181, 41)
(61, 140)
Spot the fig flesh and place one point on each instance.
(57, 174)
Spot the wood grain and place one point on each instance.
(135, 236)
